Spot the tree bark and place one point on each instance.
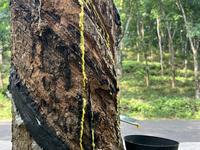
(195, 54)
(164, 41)
(196, 73)
(147, 69)
(117, 53)
(138, 52)
(150, 42)
(63, 76)
(138, 34)
(170, 53)
(151, 55)
(186, 61)
(160, 46)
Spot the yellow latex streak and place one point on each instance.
(82, 47)
(92, 118)
(117, 117)
(83, 67)
(136, 124)
(107, 40)
(82, 121)
(93, 145)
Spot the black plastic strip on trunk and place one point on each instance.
(34, 121)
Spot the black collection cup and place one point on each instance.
(142, 142)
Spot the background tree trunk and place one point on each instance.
(160, 46)
(65, 91)
(170, 53)
(138, 43)
(118, 53)
(151, 55)
(195, 54)
(186, 61)
(143, 43)
(196, 66)
(168, 26)
(163, 40)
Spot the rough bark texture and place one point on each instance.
(46, 79)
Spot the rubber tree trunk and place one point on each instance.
(138, 43)
(196, 73)
(145, 54)
(172, 54)
(194, 48)
(151, 55)
(163, 40)
(160, 45)
(150, 43)
(63, 78)
(147, 69)
(186, 60)
(171, 36)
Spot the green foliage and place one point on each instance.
(5, 24)
(5, 107)
(131, 66)
(5, 103)
(193, 29)
(166, 108)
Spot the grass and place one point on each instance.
(158, 101)
(5, 108)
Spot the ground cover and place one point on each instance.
(159, 101)
(5, 108)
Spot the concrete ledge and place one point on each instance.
(5, 145)
(189, 146)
